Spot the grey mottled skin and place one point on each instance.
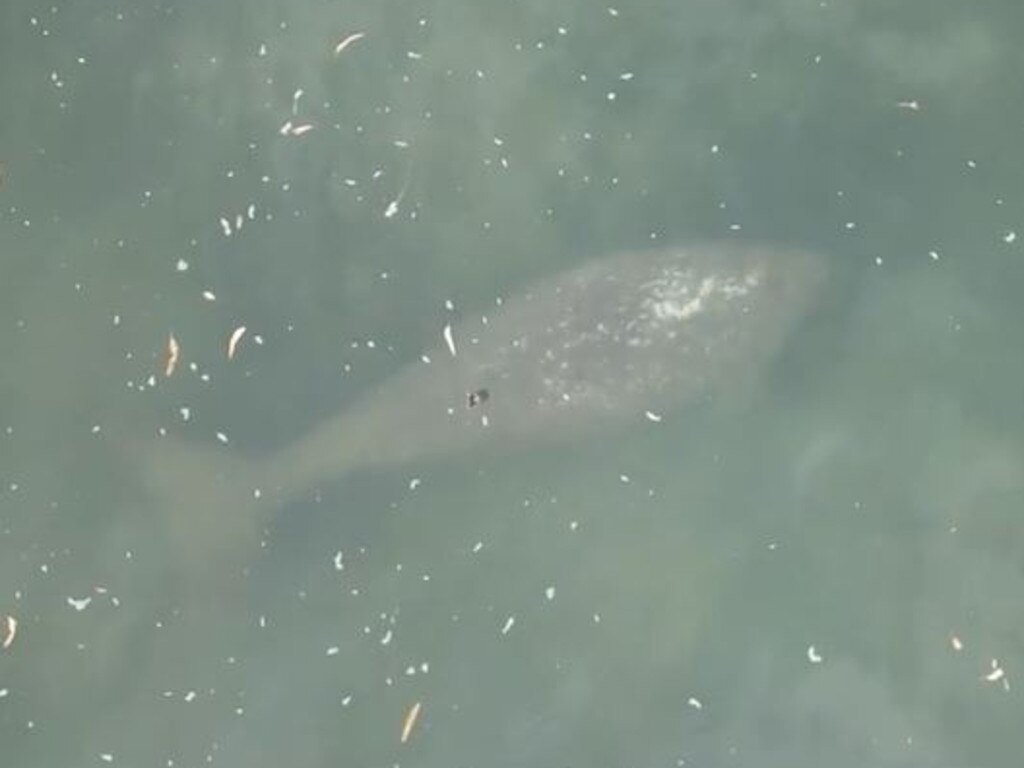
(598, 344)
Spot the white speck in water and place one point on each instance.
(813, 656)
(79, 604)
(1009, 237)
(549, 593)
(448, 339)
(338, 564)
(694, 702)
(182, 265)
(509, 622)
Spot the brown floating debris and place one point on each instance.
(10, 629)
(236, 336)
(410, 721)
(171, 355)
(347, 41)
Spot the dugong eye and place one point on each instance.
(477, 397)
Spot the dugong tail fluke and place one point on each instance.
(594, 346)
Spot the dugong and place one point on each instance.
(599, 344)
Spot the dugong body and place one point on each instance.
(600, 343)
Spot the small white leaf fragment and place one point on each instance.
(912, 105)
(996, 674)
(10, 630)
(236, 336)
(79, 604)
(209, 295)
(549, 593)
(225, 226)
(222, 438)
(347, 41)
(448, 339)
(338, 564)
(956, 643)
(391, 210)
(652, 416)
(1009, 237)
(812, 655)
(333, 650)
(299, 130)
(409, 722)
(171, 354)
(694, 702)
(414, 484)
(509, 622)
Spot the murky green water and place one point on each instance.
(824, 569)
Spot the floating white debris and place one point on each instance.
(333, 650)
(185, 413)
(391, 210)
(79, 604)
(182, 265)
(812, 655)
(652, 416)
(222, 438)
(338, 564)
(209, 295)
(295, 100)
(225, 226)
(10, 630)
(549, 593)
(956, 643)
(1009, 237)
(171, 354)
(997, 672)
(347, 41)
(934, 255)
(509, 622)
(448, 339)
(387, 637)
(299, 130)
(912, 105)
(414, 55)
(414, 484)
(236, 336)
(409, 722)
(250, 212)
(285, 129)
(694, 702)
